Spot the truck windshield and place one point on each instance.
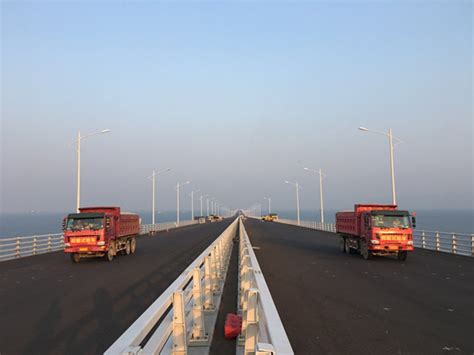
(382, 221)
(78, 224)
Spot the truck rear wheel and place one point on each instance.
(342, 244)
(349, 250)
(133, 245)
(365, 252)
(402, 255)
(127, 247)
(75, 257)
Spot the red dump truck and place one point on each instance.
(376, 230)
(100, 231)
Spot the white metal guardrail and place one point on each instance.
(262, 330)
(181, 321)
(147, 228)
(18, 247)
(22, 246)
(454, 243)
(328, 227)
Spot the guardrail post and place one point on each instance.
(472, 244)
(208, 299)
(49, 242)
(251, 329)
(34, 245)
(179, 325)
(438, 242)
(199, 335)
(423, 240)
(17, 248)
(214, 280)
(453, 244)
(217, 260)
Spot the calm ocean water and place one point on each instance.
(459, 221)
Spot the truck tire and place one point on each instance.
(342, 244)
(75, 257)
(365, 252)
(133, 245)
(110, 254)
(349, 250)
(127, 247)
(402, 255)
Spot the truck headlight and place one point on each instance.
(410, 242)
(375, 241)
(101, 243)
(67, 244)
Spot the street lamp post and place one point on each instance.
(207, 206)
(78, 148)
(192, 203)
(153, 181)
(297, 186)
(321, 200)
(178, 185)
(200, 199)
(391, 146)
(269, 204)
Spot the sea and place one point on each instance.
(12, 225)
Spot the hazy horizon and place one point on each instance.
(237, 98)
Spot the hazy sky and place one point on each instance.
(231, 95)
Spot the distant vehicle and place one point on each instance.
(376, 230)
(270, 217)
(100, 232)
(214, 218)
(200, 219)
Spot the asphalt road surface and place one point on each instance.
(335, 303)
(48, 305)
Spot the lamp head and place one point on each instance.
(363, 129)
(105, 131)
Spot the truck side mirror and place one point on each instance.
(64, 224)
(107, 223)
(413, 221)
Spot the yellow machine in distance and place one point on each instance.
(270, 217)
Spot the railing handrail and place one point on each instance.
(417, 231)
(129, 342)
(270, 326)
(31, 236)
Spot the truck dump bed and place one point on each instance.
(346, 222)
(129, 225)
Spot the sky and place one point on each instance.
(236, 97)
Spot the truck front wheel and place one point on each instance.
(365, 252)
(75, 257)
(110, 254)
(133, 245)
(127, 247)
(402, 255)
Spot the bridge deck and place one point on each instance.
(50, 305)
(334, 303)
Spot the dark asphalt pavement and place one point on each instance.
(334, 303)
(48, 305)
